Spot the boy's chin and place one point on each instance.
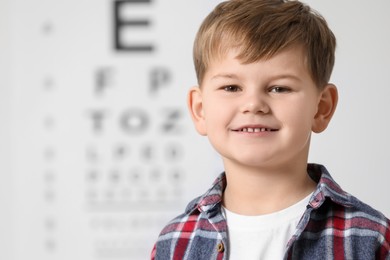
(250, 163)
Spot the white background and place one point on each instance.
(49, 55)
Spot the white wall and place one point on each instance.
(356, 145)
(73, 192)
(6, 181)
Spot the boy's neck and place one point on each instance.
(260, 191)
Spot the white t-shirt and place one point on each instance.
(265, 236)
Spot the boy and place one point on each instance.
(263, 68)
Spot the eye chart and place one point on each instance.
(103, 150)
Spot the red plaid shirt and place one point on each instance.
(335, 225)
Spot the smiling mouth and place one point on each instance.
(255, 129)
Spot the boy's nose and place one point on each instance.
(255, 105)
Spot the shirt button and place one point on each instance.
(220, 247)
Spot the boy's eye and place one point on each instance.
(231, 88)
(279, 89)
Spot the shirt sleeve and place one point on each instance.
(153, 253)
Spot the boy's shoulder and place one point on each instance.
(361, 219)
(199, 210)
(351, 214)
(328, 188)
(201, 225)
(336, 215)
(362, 208)
(329, 194)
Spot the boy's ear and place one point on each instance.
(195, 106)
(326, 108)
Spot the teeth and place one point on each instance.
(255, 130)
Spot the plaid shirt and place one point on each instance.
(335, 225)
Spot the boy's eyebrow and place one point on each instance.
(287, 76)
(230, 76)
(279, 76)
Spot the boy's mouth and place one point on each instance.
(255, 129)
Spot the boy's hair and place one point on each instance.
(261, 28)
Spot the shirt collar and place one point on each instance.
(212, 198)
(326, 188)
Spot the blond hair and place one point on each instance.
(260, 29)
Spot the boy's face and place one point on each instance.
(261, 114)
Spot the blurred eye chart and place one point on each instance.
(97, 149)
(104, 153)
